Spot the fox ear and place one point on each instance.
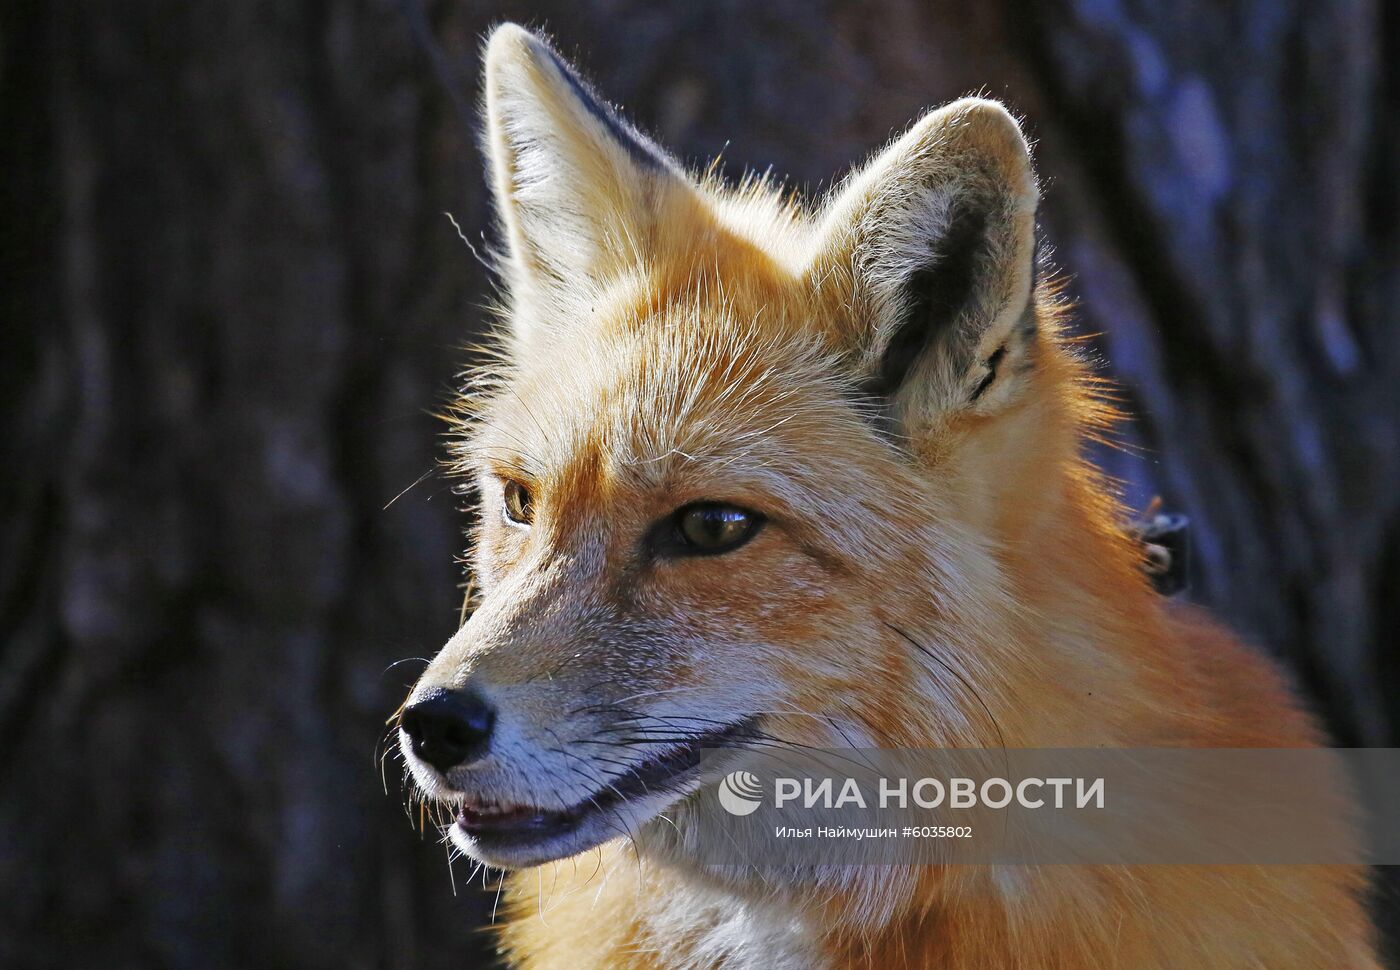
(933, 246)
(575, 185)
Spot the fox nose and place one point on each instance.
(448, 728)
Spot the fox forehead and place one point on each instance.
(651, 408)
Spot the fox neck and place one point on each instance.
(1044, 597)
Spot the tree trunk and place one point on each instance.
(232, 297)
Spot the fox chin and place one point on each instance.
(752, 471)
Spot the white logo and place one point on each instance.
(740, 792)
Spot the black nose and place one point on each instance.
(448, 728)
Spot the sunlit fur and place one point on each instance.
(939, 568)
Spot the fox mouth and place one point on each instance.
(495, 827)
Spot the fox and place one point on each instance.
(749, 466)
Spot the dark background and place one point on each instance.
(231, 296)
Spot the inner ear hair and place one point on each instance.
(937, 295)
(991, 364)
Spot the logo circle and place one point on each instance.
(740, 792)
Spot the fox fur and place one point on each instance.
(886, 379)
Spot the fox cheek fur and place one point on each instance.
(882, 387)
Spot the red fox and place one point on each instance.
(749, 468)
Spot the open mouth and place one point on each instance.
(503, 826)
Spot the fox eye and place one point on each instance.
(519, 503)
(712, 527)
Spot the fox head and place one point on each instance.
(749, 472)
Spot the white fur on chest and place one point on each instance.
(696, 927)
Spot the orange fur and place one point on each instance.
(672, 340)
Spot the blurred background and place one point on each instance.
(231, 295)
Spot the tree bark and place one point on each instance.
(233, 295)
